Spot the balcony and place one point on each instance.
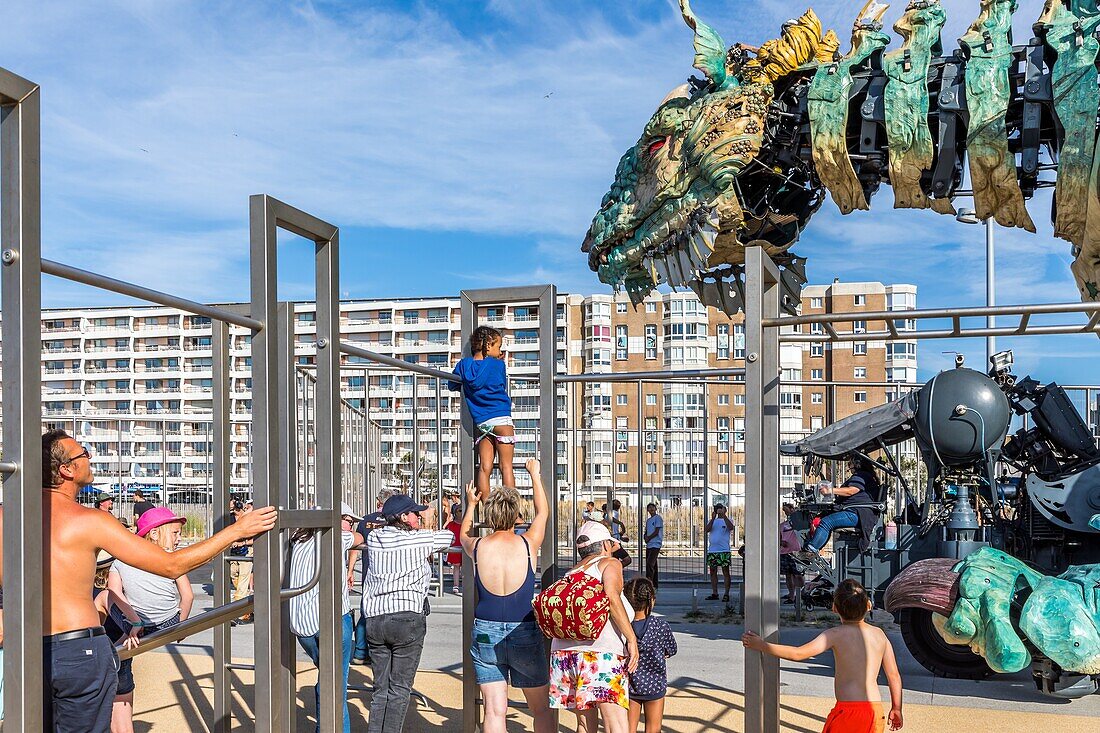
(105, 370)
(61, 370)
(156, 347)
(75, 349)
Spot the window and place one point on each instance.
(739, 469)
(723, 399)
(651, 400)
(790, 400)
(739, 341)
(817, 374)
(650, 307)
(859, 348)
(860, 300)
(620, 468)
(860, 397)
(817, 348)
(901, 350)
(859, 373)
(620, 307)
(817, 329)
(723, 343)
(620, 400)
(817, 422)
(817, 302)
(817, 398)
(621, 341)
(622, 441)
(651, 467)
(723, 469)
(651, 341)
(859, 326)
(739, 399)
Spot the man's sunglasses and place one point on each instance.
(78, 456)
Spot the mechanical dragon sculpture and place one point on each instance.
(744, 156)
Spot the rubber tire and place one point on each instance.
(934, 654)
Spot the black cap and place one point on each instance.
(400, 504)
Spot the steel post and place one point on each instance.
(223, 654)
(20, 232)
(471, 710)
(761, 489)
(271, 712)
(287, 375)
(327, 468)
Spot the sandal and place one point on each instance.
(711, 597)
(726, 598)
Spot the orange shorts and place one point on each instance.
(855, 717)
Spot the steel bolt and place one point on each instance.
(322, 343)
(752, 357)
(10, 256)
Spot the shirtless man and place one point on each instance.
(79, 662)
(859, 651)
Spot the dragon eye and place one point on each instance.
(655, 144)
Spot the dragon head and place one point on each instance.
(714, 172)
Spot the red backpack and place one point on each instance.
(575, 608)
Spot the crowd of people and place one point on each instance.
(107, 586)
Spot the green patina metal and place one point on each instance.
(828, 107)
(988, 43)
(1059, 616)
(906, 102)
(1070, 34)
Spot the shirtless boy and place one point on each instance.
(79, 662)
(859, 651)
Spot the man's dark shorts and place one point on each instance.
(81, 678)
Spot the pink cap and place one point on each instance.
(155, 517)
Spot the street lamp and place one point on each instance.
(969, 216)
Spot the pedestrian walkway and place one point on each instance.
(175, 691)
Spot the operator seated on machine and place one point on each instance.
(856, 507)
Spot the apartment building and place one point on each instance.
(135, 384)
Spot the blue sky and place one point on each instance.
(457, 143)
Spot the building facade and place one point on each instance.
(135, 384)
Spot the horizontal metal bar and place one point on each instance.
(241, 667)
(202, 622)
(973, 312)
(299, 222)
(377, 358)
(308, 518)
(122, 287)
(8, 467)
(646, 376)
(943, 334)
(13, 88)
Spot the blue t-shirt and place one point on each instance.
(485, 387)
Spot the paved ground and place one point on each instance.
(707, 675)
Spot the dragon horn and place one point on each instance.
(710, 49)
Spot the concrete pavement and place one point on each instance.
(706, 680)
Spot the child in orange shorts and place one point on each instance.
(859, 651)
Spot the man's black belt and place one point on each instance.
(87, 633)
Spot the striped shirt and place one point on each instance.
(305, 609)
(398, 571)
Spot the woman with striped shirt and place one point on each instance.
(305, 621)
(395, 599)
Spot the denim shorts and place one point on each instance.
(503, 650)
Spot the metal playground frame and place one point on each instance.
(275, 431)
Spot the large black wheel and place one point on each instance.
(936, 655)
